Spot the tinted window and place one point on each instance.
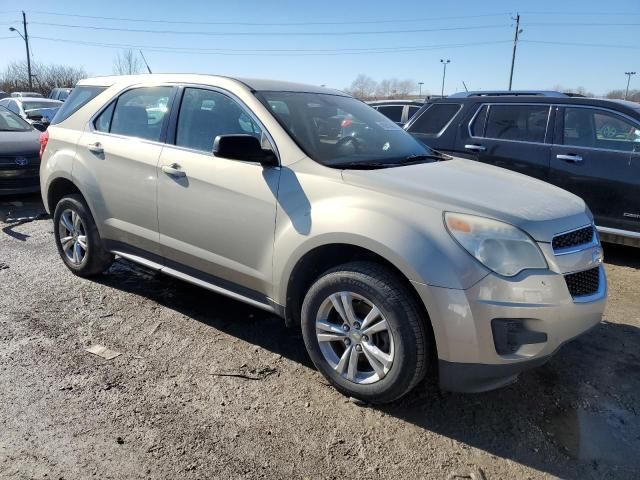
(517, 122)
(140, 112)
(584, 127)
(361, 135)
(412, 111)
(103, 122)
(435, 118)
(477, 126)
(394, 112)
(38, 105)
(79, 97)
(205, 114)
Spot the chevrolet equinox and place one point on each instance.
(389, 256)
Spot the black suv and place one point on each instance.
(588, 146)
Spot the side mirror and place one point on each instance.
(243, 147)
(39, 126)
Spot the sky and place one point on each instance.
(571, 43)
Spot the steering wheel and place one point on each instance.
(356, 142)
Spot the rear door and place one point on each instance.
(117, 162)
(597, 157)
(509, 135)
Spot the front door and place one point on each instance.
(598, 159)
(216, 215)
(512, 136)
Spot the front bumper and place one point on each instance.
(19, 180)
(539, 303)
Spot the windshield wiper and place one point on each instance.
(363, 165)
(427, 156)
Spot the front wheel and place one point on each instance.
(77, 238)
(364, 332)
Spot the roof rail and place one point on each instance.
(510, 93)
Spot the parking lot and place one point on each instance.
(206, 387)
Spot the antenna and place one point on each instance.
(145, 61)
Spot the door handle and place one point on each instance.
(96, 148)
(174, 170)
(475, 148)
(571, 158)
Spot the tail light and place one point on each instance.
(346, 122)
(44, 139)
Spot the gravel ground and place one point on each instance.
(166, 409)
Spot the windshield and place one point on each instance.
(10, 122)
(343, 132)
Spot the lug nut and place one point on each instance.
(347, 342)
(345, 327)
(365, 338)
(356, 325)
(358, 348)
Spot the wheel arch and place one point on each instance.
(318, 260)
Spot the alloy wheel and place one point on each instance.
(73, 236)
(354, 337)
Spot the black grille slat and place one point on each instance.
(573, 239)
(584, 283)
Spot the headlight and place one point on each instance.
(501, 247)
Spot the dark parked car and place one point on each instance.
(19, 159)
(3, 94)
(588, 146)
(400, 111)
(60, 93)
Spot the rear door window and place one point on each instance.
(436, 117)
(526, 123)
(393, 112)
(140, 112)
(412, 111)
(79, 97)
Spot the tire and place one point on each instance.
(404, 340)
(79, 228)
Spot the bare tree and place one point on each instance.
(45, 77)
(362, 87)
(127, 62)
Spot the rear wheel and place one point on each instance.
(77, 238)
(364, 332)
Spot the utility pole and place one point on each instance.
(628, 74)
(515, 46)
(145, 61)
(444, 73)
(420, 88)
(25, 37)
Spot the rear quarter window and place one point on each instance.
(434, 118)
(79, 97)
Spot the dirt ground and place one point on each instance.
(162, 410)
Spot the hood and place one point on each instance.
(458, 185)
(19, 143)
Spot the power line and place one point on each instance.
(192, 22)
(589, 24)
(275, 52)
(589, 45)
(323, 34)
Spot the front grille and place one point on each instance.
(584, 283)
(9, 162)
(573, 239)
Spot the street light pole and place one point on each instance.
(25, 37)
(628, 74)
(420, 88)
(444, 73)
